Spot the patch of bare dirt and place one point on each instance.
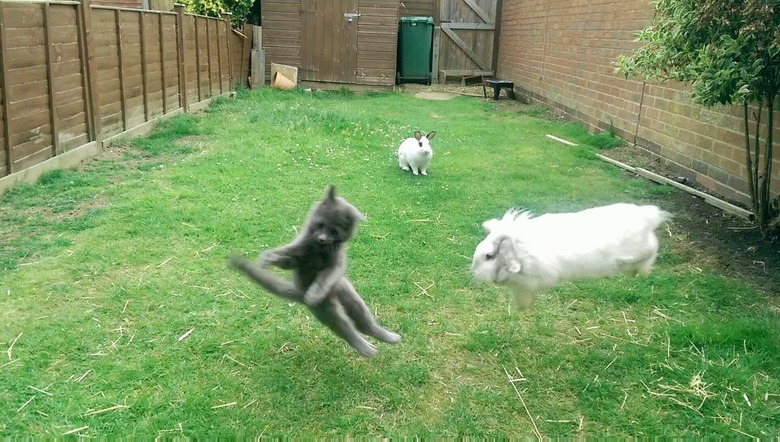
(121, 153)
(50, 215)
(435, 95)
(197, 141)
(456, 89)
(733, 244)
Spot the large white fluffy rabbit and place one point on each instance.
(530, 255)
(415, 153)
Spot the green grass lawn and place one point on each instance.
(119, 315)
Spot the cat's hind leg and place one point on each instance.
(332, 314)
(357, 309)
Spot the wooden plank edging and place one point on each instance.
(67, 159)
(142, 129)
(709, 199)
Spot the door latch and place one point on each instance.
(351, 16)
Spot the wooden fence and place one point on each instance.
(72, 76)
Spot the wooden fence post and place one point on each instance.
(179, 8)
(53, 119)
(208, 57)
(89, 69)
(219, 55)
(246, 50)
(120, 48)
(257, 59)
(9, 158)
(162, 64)
(144, 67)
(197, 59)
(228, 36)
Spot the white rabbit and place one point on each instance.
(530, 255)
(415, 153)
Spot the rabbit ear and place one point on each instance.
(489, 225)
(430, 135)
(507, 251)
(330, 192)
(417, 135)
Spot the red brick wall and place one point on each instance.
(562, 53)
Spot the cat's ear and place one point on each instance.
(330, 192)
(356, 213)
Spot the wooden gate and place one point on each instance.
(468, 30)
(329, 40)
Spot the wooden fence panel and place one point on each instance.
(4, 158)
(132, 70)
(170, 63)
(223, 41)
(69, 104)
(28, 120)
(468, 37)
(72, 74)
(109, 65)
(240, 51)
(213, 69)
(203, 57)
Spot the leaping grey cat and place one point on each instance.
(318, 260)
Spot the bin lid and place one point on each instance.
(428, 20)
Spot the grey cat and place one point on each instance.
(318, 260)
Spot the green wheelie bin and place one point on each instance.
(415, 45)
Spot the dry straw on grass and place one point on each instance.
(184, 336)
(11, 347)
(512, 381)
(106, 410)
(75, 430)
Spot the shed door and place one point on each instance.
(468, 34)
(329, 40)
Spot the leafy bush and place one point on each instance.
(213, 8)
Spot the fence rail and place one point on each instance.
(72, 76)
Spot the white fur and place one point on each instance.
(415, 153)
(530, 255)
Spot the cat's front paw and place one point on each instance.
(267, 258)
(314, 295)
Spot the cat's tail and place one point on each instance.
(274, 284)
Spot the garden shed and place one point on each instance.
(355, 42)
(349, 41)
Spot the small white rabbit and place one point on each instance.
(530, 255)
(415, 153)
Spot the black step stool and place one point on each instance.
(497, 85)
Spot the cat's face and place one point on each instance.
(333, 221)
